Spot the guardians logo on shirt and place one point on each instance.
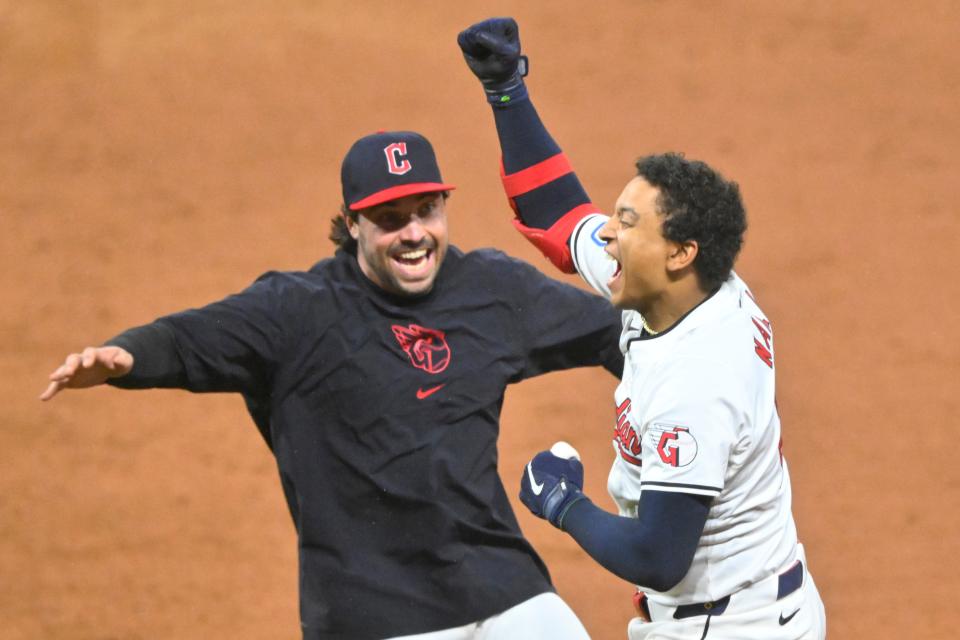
(675, 444)
(427, 348)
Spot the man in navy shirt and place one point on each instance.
(377, 379)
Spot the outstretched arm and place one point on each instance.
(540, 183)
(230, 345)
(152, 347)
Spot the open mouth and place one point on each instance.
(615, 278)
(414, 265)
(412, 258)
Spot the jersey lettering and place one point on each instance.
(397, 162)
(628, 443)
(763, 349)
(426, 348)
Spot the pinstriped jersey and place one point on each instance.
(696, 413)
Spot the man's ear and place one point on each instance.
(682, 255)
(353, 225)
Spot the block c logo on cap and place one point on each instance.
(397, 162)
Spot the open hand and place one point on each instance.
(93, 366)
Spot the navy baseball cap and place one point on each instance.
(388, 165)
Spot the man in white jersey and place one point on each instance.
(705, 527)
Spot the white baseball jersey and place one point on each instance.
(696, 413)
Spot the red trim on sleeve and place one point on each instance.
(534, 176)
(553, 242)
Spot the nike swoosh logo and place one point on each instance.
(536, 486)
(425, 393)
(784, 621)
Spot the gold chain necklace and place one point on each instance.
(647, 327)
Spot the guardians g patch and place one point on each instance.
(675, 444)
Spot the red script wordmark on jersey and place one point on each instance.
(426, 348)
(766, 332)
(628, 444)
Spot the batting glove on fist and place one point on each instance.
(492, 51)
(550, 485)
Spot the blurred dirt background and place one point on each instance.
(160, 154)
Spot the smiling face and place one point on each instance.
(401, 243)
(634, 237)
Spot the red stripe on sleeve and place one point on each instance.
(535, 176)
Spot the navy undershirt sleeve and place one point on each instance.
(653, 550)
(525, 142)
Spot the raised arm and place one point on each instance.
(543, 190)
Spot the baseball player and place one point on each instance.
(705, 527)
(377, 378)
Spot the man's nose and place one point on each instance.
(607, 231)
(413, 231)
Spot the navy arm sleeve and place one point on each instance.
(653, 550)
(527, 147)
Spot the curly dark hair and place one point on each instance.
(698, 204)
(340, 234)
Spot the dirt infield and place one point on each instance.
(156, 155)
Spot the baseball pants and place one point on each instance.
(755, 615)
(543, 617)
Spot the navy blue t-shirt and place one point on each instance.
(383, 414)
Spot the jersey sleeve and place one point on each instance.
(234, 344)
(590, 260)
(691, 429)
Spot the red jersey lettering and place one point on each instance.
(628, 443)
(762, 349)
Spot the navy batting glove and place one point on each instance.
(550, 485)
(492, 51)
